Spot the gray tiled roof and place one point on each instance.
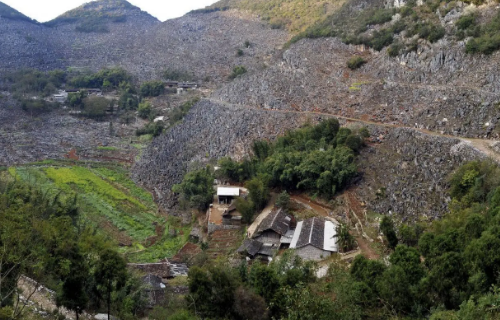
(312, 232)
(250, 246)
(278, 221)
(268, 250)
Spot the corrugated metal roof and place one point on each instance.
(228, 192)
(330, 242)
(287, 238)
(296, 235)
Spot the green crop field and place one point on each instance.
(110, 202)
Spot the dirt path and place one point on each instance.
(481, 145)
(366, 249)
(265, 212)
(305, 201)
(355, 208)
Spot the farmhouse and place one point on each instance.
(154, 289)
(171, 84)
(273, 227)
(314, 239)
(250, 247)
(226, 195)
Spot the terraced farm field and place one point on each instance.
(224, 242)
(110, 202)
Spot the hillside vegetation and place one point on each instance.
(110, 202)
(293, 15)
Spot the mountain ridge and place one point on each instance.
(8, 12)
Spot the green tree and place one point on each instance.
(246, 208)
(197, 188)
(387, 228)
(110, 275)
(258, 192)
(345, 240)
(283, 200)
(73, 295)
(95, 107)
(145, 109)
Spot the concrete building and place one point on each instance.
(226, 195)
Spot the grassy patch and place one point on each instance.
(111, 202)
(357, 86)
(166, 247)
(107, 148)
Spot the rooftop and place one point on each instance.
(316, 232)
(228, 191)
(250, 246)
(278, 221)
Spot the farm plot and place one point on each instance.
(224, 242)
(111, 203)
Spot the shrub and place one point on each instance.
(363, 132)
(381, 39)
(283, 200)
(387, 228)
(239, 53)
(177, 75)
(355, 62)
(354, 142)
(153, 128)
(237, 71)
(152, 89)
(95, 107)
(465, 22)
(437, 32)
(380, 16)
(145, 110)
(394, 49)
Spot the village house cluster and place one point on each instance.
(312, 239)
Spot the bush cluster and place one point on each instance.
(355, 62)
(237, 71)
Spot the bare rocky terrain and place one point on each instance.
(202, 44)
(412, 103)
(438, 88)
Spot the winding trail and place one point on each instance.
(481, 145)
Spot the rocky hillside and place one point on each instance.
(416, 83)
(439, 87)
(434, 90)
(108, 33)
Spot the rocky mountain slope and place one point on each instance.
(439, 87)
(436, 89)
(409, 100)
(123, 35)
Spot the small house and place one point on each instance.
(273, 227)
(95, 91)
(154, 289)
(188, 85)
(315, 239)
(59, 98)
(250, 247)
(226, 195)
(171, 84)
(256, 249)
